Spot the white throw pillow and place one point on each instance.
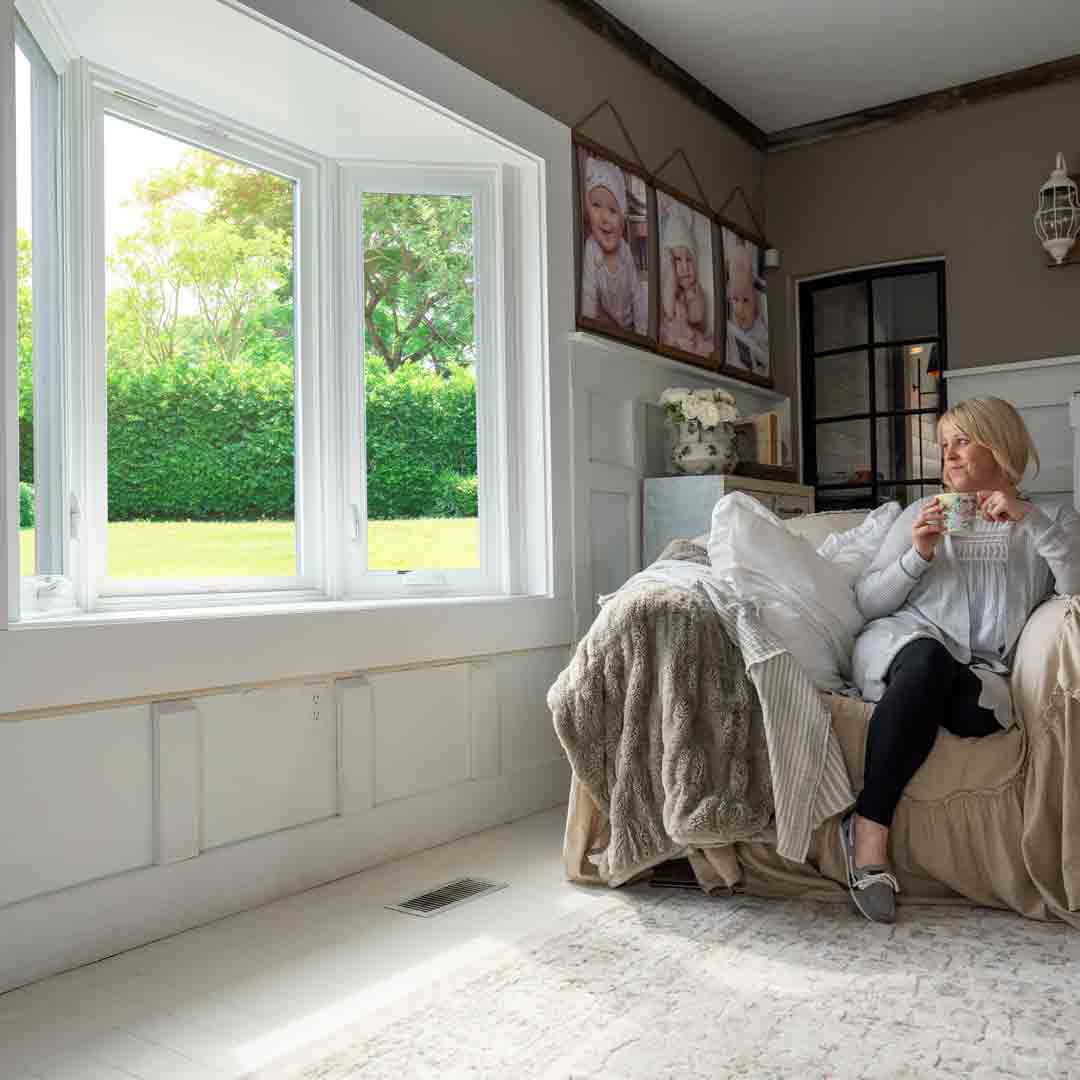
(854, 549)
(805, 601)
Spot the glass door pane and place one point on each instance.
(841, 384)
(906, 306)
(840, 317)
(843, 452)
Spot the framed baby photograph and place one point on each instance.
(687, 308)
(746, 331)
(613, 246)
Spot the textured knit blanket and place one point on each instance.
(682, 718)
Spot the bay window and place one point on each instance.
(259, 371)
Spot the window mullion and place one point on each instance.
(83, 164)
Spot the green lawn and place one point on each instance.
(185, 549)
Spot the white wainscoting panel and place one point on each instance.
(177, 780)
(528, 735)
(611, 430)
(1042, 391)
(269, 760)
(356, 717)
(76, 799)
(485, 749)
(422, 730)
(611, 521)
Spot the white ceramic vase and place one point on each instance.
(699, 450)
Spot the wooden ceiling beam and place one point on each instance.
(953, 97)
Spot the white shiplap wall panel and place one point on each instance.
(76, 799)
(528, 735)
(270, 760)
(422, 730)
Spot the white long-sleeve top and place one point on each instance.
(974, 596)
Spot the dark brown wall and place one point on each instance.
(961, 184)
(543, 55)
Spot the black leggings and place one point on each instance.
(925, 688)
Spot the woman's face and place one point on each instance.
(685, 267)
(968, 465)
(605, 219)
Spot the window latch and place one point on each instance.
(355, 520)
(75, 516)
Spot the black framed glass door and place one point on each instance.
(873, 353)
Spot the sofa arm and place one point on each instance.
(1047, 656)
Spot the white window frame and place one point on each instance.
(103, 92)
(50, 487)
(486, 186)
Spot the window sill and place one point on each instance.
(173, 612)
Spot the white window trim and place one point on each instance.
(485, 185)
(97, 92)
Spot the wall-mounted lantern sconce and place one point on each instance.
(1057, 220)
(772, 258)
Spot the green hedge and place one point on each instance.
(208, 440)
(26, 505)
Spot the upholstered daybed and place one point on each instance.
(992, 821)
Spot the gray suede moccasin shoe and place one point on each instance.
(873, 888)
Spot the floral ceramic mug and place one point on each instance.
(960, 509)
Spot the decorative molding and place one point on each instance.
(1018, 365)
(637, 48)
(936, 101)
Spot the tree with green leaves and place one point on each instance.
(418, 265)
(418, 278)
(179, 252)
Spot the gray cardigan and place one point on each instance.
(906, 597)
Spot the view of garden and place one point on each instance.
(201, 369)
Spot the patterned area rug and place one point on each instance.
(659, 983)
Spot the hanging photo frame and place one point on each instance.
(747, 354)
(689, 300)
(614, 264)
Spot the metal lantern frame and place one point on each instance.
(1057, 219)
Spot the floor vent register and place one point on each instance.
(443, 897)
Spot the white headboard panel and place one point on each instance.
(1047, 395)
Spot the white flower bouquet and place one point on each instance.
(707, 407)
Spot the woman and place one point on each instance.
(947, 612)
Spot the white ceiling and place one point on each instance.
(787, 62)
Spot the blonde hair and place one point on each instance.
(995, 424)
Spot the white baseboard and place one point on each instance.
(62, 930)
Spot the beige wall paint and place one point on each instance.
(961, 184)
(540, 53)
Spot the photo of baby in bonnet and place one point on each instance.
(747, 305)
(687, 303)
(614, 264)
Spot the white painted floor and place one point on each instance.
(220, 1000)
